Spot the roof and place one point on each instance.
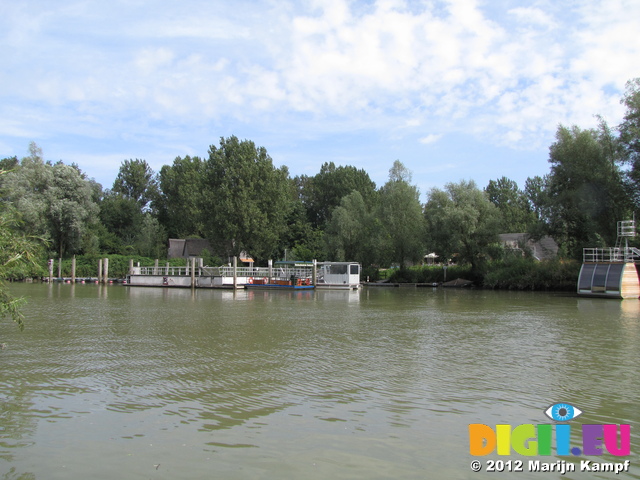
(187, 247)
(544, 248)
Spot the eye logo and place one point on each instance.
(562, 412)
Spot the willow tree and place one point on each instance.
(462, 222)
(18, 253)
(352, 231)
(56, 202)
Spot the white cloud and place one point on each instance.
(431, 138)
(321, 67)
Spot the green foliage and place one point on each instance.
(55, 201)
(461, 221)
(585, 192)
(630, 139)
(323, 192)
(87, 265)
(209, 259)
(350, 231)
(18, 253)
(181, 199)
(400, 218)
(136, 181)
(515, 210)
(247, 199)
(431, 274)
(520, 273)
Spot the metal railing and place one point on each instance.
(284, 273)
(611, 254)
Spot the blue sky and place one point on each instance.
(458, 89)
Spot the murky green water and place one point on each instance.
(117, 382)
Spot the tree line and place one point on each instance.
(241, 202)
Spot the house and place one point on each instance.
(544, 248)
(187, 247)
(193, 248)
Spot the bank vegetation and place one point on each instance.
(239, 201)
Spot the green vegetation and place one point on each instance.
(241, 202)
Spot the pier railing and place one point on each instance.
(611, 254)
(227, 271)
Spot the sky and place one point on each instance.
(455, 90)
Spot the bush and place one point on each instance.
(87, 265)
(431, 274)
(528, 274)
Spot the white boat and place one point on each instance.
(338, 275)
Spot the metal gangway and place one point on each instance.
(622, 252)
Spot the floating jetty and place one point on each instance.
(278, 275)
(612, 272)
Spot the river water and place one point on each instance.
(125, 382)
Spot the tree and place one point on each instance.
(181, 197)
(462, 221)
(247, 199)
(513, 205)
(122, 219)
(400, 217)
(350, 232)
(136, 180)
(150, 239)
(323, 192)
(585, 192)
(54, 201)
(18, 253)
(630, 138)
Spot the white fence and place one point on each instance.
(282, 272)
(611, 254)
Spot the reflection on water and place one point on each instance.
(172, 383)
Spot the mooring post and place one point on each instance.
(166, 269)
(106, 270)
(60, 267)
(155, 267)
(100, 263)
(50, 270)
(131, 266)
(193, 272)
(270, 272)
(73, 269)
(314, 274)
(235, 272)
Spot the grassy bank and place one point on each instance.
(509, 274)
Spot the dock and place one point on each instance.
(278, 275)
(612, 272)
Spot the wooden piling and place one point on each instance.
(193, 272)
(60, 267)
(235, 272)
(50, 270)
(73, 270)
(100, 264)
(314, 273)
(270, 272)
(106, 270)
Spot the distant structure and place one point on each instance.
(187, 247)
(612, 272)
(543, 249)
(193, 248)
